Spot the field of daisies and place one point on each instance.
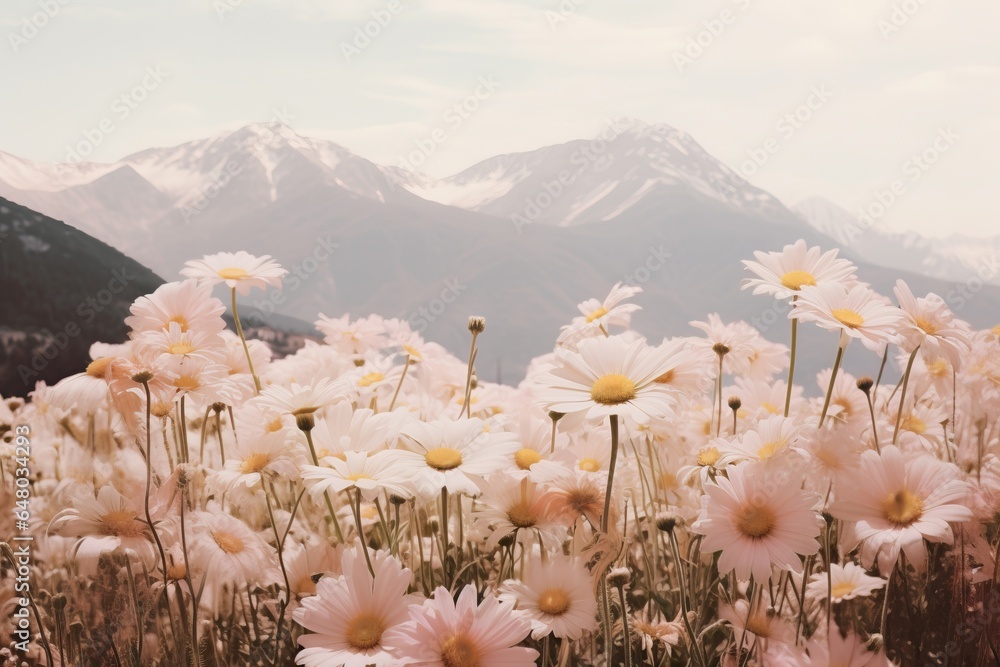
(190, 500)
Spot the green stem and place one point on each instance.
(361, 532)
(791, 362)
(902, 396)
(243, 339)
(833, 378)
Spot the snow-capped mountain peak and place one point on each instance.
(593, 180)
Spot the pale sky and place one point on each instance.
(894, 76)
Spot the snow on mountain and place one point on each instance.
(593, 180)
(955, 257)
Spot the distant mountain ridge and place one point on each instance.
(364, 238)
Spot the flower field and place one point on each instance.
(188, 499)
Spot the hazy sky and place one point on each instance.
(887, 81)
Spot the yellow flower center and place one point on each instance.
(525, 458)
(228, 542)
(666, 378)
(369, 379)
(358, 475)
(770, 407)
(768, 450)
(98, 367)
(180, 320)
(305, 586)
(413, 353)
(848, 317)
(995, 330)
(553, 601)
(914, 424)
(600, 312)
(589, 465)
(187, 382)
(612, 389)
(797, 279)
(460, 651)
(232, 273)
(177, 571)
(364, 631)
(758, 625)
(708, 456)
(254, 463)
(180, 348)
(521, 514)
(938, 367)
(755, 521)
(902, 507)
(842, 589)
(121, 523)
(443, 458)
(926, 326)
(668, 481)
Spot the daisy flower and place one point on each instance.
(931, 326)
(784, 273)
(608, 376)
(298, 400)
(354, 338)
(255, 457)
(239, 270)
(599, 316)
(178, 343)
(448, 633)
(757, 520)
(734, 338)
(109, 522)
(848, 650)
(754, 625)
(769, 440)
(189, 303)
(226, 548)
(848, 582)
(896, 504)
(370, 474)
(455, 454)
(306, 562)
(557, 595)
(350, 618)
(508, 505)
(857, 312)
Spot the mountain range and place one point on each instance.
(519, 238)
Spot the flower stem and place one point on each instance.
(361, 532)
(243, 339)
(326, 494)
(406, 367)
(791, 361)
(902, 396)
(626, 638)
(833, 378)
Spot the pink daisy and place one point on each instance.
(756, 519)
(447, 633)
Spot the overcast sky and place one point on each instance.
(887, 80)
